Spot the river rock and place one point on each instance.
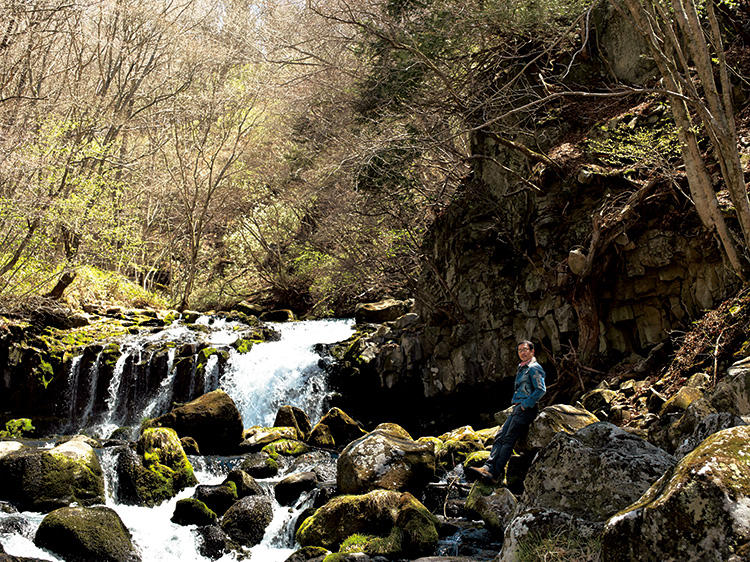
(593, 473)
(381, 311)
(409, 528)
(309, 554)
(260, 465)
(555, 419)
(289, 489)
(534, 523)
(495, 506)
(218, 498)
(158, 471)
(255, 438)
(341, 427)
(212, 420)
(247, 519)
(697, 511)
(382, 460)
(291, 416)
(81, 534)
(244, 483)
(43, 480)
(213, 542)
(191, 511)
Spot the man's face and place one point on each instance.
(524, 352)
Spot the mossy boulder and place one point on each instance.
(158, 471)
(495, 506)
(320, 436)
(398, 524)
(696, 511)
(43, 480)
(243, 483)
(288, 490)
(287, 447)
(394, 429)
(256, 437)
(383, 460)
(212, 420)
(594, 473)
(247, 519)
(260, 465)
(342, 427)
(218, 498)
(190, 511)
(309, 554)
(552, 420)
(291, 416)
(80, 534)
(457, 445)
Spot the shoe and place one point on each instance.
(481, 473)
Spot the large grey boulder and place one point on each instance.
(709, 425)
(697, 511)
(46, 479)
(80, 534)
(213, 420)
(495, 506)
(594, 473)
(383, 460)
(531, 524)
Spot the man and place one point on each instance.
(528, 389)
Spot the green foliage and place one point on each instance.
(563, 545)
(20, 427)
(634, 143)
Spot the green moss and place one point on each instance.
(289, 447)
(477, 458)
(243, 345)
(17, 428)
(167, 469)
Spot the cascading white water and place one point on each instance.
(282, 372)
(270, 375)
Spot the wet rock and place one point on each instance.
(320, 436)
(555, 419)
(309, 554)
(537, 523)
(696, 511)
(247, 519)
(383, 460)
(255, 438)
(593, 473)
(213, 542)
(191, 511)
(291, 416)
(494, 506)
(43, 480)
(409, 528)
(16, 525)
(212, 420)
(218, 498)
(341, 427)
(260, 465)
(289, 489)
(709, 425)
(79, 534)
(287, 447)
(244, 483)
(395, 430)
(381, 311)
(158, 471)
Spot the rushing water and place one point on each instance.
(270, 375)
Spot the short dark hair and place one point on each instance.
(527, 342)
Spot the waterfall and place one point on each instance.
(269, 375)
(283, 372)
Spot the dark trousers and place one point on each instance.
(502, 448)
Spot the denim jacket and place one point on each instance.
(529, 386)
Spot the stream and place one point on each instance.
(270, 375)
